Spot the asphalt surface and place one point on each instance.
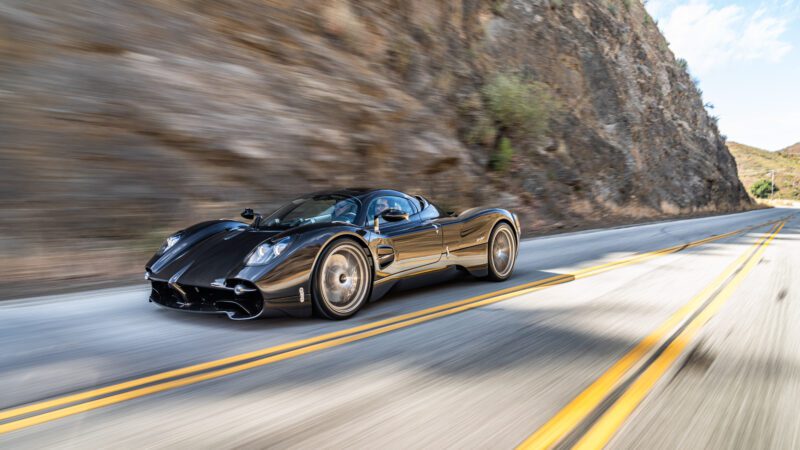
(486, 376)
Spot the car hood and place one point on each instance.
(211, 260)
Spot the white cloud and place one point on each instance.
(709, 38)
(659, 8)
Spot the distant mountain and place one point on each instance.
(793, 149)
(755, 163)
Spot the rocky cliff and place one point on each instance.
(123, 120)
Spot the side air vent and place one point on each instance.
(385, 255)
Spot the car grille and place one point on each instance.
(204, 299)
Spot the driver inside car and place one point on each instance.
(344, 211)
(381, 205)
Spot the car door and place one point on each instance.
(407, 245)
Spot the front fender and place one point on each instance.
(284, 277)
(191, 236)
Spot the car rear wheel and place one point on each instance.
(342, 281)
(502, 252)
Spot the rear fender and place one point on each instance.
(466, 237)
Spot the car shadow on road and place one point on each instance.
(440, 289)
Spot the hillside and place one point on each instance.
(122, 121)
(793, 149)
(755, 163)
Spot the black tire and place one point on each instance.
(502, 252)
(342, 281)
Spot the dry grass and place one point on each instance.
(754, 164)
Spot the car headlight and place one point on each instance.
(265, 252)
(170, 242)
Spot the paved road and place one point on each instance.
(534, 359)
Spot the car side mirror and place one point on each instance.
(394, 215)
(248, 214)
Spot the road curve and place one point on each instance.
(623, 337)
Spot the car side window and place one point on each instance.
(381, 204)
(428, 210)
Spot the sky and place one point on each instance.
(746, 55)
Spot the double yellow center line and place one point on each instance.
(48, 410)
(592, 418)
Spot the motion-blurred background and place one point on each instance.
(122, 121)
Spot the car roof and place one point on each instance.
(359, 193)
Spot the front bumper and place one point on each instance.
(241, 304)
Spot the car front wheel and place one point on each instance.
(341, 281)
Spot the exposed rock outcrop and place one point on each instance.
(122, 120)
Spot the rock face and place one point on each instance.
(123, 120)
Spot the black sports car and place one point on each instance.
(327, 253)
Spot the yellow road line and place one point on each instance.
(110, 400)
(9, 413)
(581, 406)
(608, 424)
(649, 255)
(303, 346)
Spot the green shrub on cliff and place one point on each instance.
(501, 159)
(520, 107)
(627, 4)
(763, 188)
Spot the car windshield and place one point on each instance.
(317, 209)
